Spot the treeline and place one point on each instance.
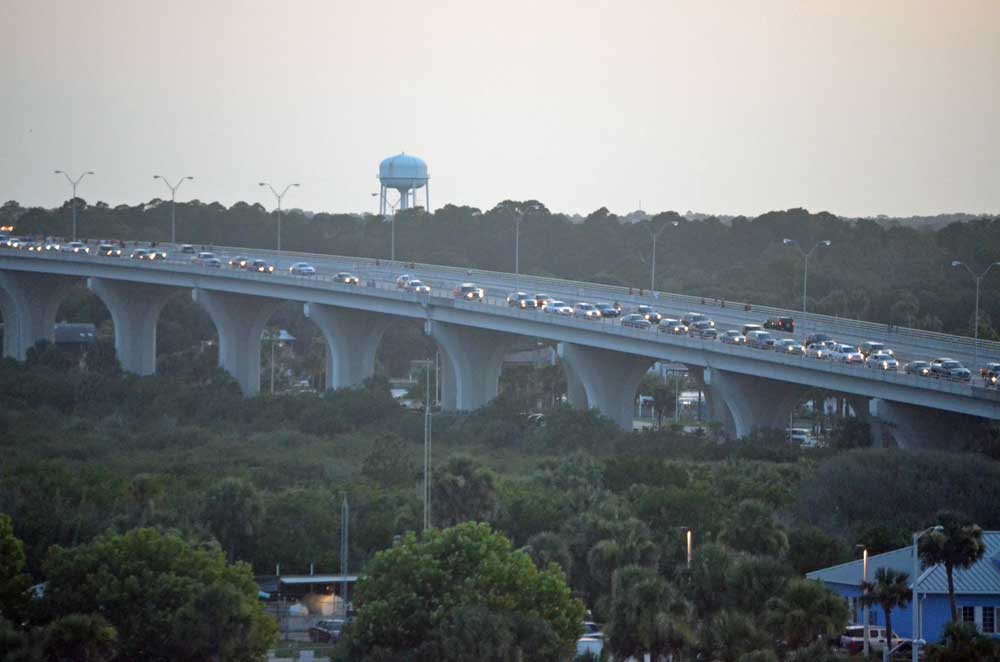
(894, 274)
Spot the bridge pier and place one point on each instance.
(352, 338)
(607, 379)
(29, 302)
(239, 320)
(920, 428)
(754, 402)
(471, 360)
(135, 310)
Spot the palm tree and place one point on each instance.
(958, 544)
(647, 616)
(890, 590)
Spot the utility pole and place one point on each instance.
(428, 434)
(345, 516)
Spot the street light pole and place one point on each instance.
(518, 217)
(652, 270)
(73, 183)
(279, 197)
(914, 604)
(978, 279)
(805, 260)
(173, 203)
(689, 549)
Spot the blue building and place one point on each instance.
(977, 591)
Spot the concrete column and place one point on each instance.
(575, 391)
(609, 379)
(754, 402)
(240, 320)
(352, 338)
(471, 360)
(135, 309)
(29, 302)
(920, 428)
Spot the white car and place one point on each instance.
(882, 362)
(558, 308)
(347, 278)
(76, 247)
(818, 350)
(846, 354)
(587, 311)
(417, 287)
(302, 269)
(403, 280)
(203, 258)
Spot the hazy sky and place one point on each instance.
(855, 107)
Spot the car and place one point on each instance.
(587, 311)
(818, 350)
(202, 256)
(733, 337)
(749, 328)
(650, 314)
(187, 249)
(213, 263)
(671, 325)
(4, 240)
(798, 437)
(607, 310)
(261, 267)
(347, 278)
(153, 254)
(760, 339)
(882, 361)
(472, 292)
(76, 247)
(842, 353)
(919, 368)
(327, 630)
(140, 254)
(542, 300)
(417, 287)
(691, 318)
(870, 347)
(33, 246)
(50, 245)
(853, 639)
(521, 300)
(403, 280)
(990, 373)
(558, 308)
(589, 646)
(786, 324)
(592, 629)
(704, 329)
(950, 369)
(109, 250)
(814, 338)
(635, 321)
(302, 269)
(789, 346)
(16, 242)
(239, 262)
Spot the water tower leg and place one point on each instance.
(427, 196)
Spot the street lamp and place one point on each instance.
(978, 279)
(656, 235)
(913, 587)
(688, 535)
(279, 197)
(173, 203)
(864, 581)
(73, 183)
(805, 258)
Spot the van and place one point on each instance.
(747, 328)
(871, 347)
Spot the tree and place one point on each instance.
(890, 591)
(752, 529)
(388, 464)
(809, 548)
(647, 617)
(729, 635)
(80, 638)
(217, 624)
(805, 611)
(463, 490)
(959, 544)
(419, 590)
(232, 511)
(962, 642)
(13, 582)
(545, 548)
(144, 582)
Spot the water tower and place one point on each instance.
(407, 174)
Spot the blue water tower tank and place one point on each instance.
(406, 174)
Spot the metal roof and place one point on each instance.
(983, 578)
(317, 579)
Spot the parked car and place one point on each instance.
(798, 437)
(919, 368)
(842, 353)
(302, 269)
(607, 310)
(786, 324)
(950, 369)
(671, 325)
(871, 347)
(403, 280)
(109, 250)
(760, 340)
(882, 361)
(521, 300)
(418, 287)
(261, 266)
(853, 639)
(587, 311)
(733, 337)
(346, 278)
(990, 373)
(469, 292)
(239, 262)
(650, 314)
(690, 318)
(76, 247)
(558, 308)
(635, 321)
(327, 631)
(789, 346)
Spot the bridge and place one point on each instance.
(745, 388)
